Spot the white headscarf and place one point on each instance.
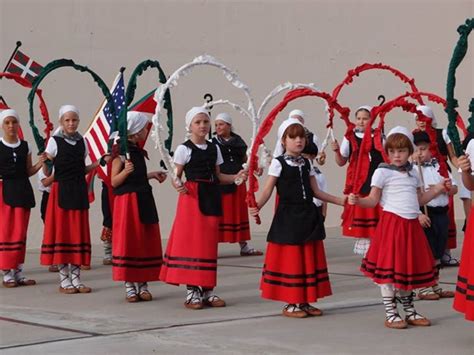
(428, 112)
(404, 131)
(8, 113)
(279, 149)
(67, 108)
(296, 113)
(136, 121)
(364, 107)
(192, 113)
(224, 116)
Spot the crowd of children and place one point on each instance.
(402, 217)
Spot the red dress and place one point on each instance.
(464, 298)
(234, 224)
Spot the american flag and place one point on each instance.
(99, 131)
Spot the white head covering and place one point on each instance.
(8, 113)
(279, 149)
(364, 107)
(404, 131)
(224, 116)
(67, 108)
(296, 113)
(428, 112)
(192, 113)
(136, 121)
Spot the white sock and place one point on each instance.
(107, 250)
(8, 275)
(64, 279)
(142, 286)
(19, 273)
(75, 275)
(130, 289)
(408, 306)
(388, 297)
(244, 246)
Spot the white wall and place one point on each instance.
(267, 42)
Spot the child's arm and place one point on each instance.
(33, 169)
(467, 177)
(431, 193)
(450, 188)
(157, 175)
(120, 172)
(265, 195)
(340, 160)
(178, 185)
(368, 202)
(325, 209)
(48, 180)
(92, 166)
(324, 196)
(227, 179)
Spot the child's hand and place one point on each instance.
(448, 184)
(158, 175)
(335, 146)
(254, 211)
(258, 171)
(321, 158)
(353, 199)
(424, 220)
(128, 169)
(464, 163)
(242, 175)
(179, 186)
(42, 158)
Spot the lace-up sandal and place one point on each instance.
(392, 317)
(293, 311)
(213, 301)
(310, 310)
(193, 298)
(76, 280)
(443, 293)
(412, 317)
(428, 294)
(131, 293)
(143, 292)
(65, 285)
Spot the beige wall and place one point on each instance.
(267, 42)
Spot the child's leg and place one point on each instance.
(412, 317)
(143, 292)
(131, 292)
(106, 238)
(21, 279)
(65, 280)
(392, 317)
(193, 297)
(76, 279)
(210, 299)
(9, 278)
(361, 246)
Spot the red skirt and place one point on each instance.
(191, 253)
(400, 254)
(364, 222)
(13, 228)
(464, 298)
(452, 242)
(66, 238)
(234, 224)
(295, 273)
(136, 250)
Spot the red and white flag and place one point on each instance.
(24, 66)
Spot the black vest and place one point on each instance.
(296, 220)
(17, 190)
(310, 147)
(69, 172)
(375, 159)
(233, 153)
(202, 169)
(137, 182)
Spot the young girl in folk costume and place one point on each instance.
(234, 224)
(464, 298)
(445, 147)
(295, 268)
(399, 257)
(191, 253)
(434, 219)
(365, 219)
(66, 240)
(136, 251)
(16, 199)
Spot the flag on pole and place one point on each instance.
(99, 131)
(24, 66)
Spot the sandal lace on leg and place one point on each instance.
(131, 292)
(428, 294)
(143, 292)
(392, 317)
(9, 278)
(193, 298)
(293, 311)
(21, 279)
(412, 317)
(310, 310)
(210, 299)
(65, 285)
(76, 279)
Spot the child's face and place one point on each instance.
(142, 134)
(422, 152)
(10, 126)
(398, 156)
(294, 145)
(222, 128)
(200, 125)
(362, 119)
(70, 122)
(421, 125)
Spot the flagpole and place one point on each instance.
(18, 45)
(3, 100)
